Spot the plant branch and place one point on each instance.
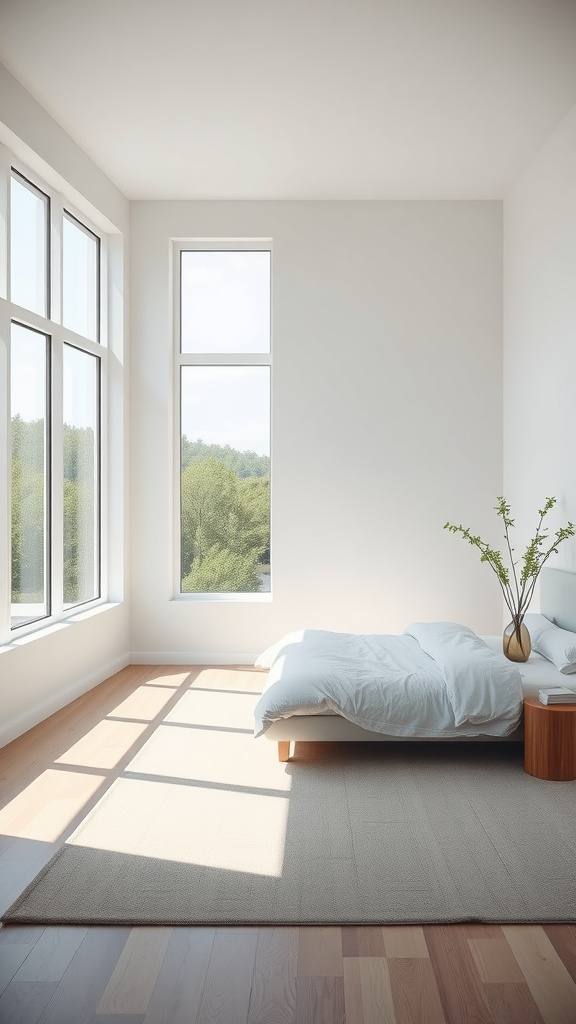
(519, 594)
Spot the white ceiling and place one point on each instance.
(299, 99)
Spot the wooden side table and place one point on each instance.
(550, 740)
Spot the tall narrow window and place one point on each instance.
(29, 219)
(57, 362)
(225, 421)
(29, 414)
(80, 278)
(81, 475)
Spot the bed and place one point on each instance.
(320, 685)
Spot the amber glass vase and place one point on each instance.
(516, 641)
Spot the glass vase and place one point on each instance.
(516, 641)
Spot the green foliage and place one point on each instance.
(78, 542)
(225, 524)
(518, 590)
(222, 571)
(225, 515)
(242, 464)
(27, 568)
(28, 511)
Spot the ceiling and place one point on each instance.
(299, 99)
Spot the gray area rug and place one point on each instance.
(205, 826)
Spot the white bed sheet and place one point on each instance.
(434, 680)
(537, 672)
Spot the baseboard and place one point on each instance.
(11, 730)
(192, 658)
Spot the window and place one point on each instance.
(54, 393)
(29, 433)
(224, 366)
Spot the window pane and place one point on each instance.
(80, 278)
(28, 246)
(29, 414)
(81, 448)
(225, 482)
(225, 301)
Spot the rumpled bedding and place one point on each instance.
(437, 679)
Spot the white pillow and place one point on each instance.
(558, 645)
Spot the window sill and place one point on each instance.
(265, 598)
(48, 629)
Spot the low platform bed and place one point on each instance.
(505, 692)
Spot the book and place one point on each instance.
(557, 695)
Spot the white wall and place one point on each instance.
(45, 670)
(387, 419)
(540, 339)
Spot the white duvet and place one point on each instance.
(436, 679)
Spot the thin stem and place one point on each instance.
(512, 562)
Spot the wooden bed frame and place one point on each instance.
(557, 603)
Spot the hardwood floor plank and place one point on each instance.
(20, 934)
(14, 877)
(547, 977)
(320, 953)
(495, 961)
(377, 1001)
(178, 990)
(132, 982)
(353, 1005)
(415, 992)
(273, 997)
(401, 941)
(475, 930)
(462, 996)
(48, 807)
(11, 959)
(25, 1003)
(118, 1018)
(5, 843)
(105, 745)
(52, 954)
(362, 942)
(563, 938)
(226, 995)
(76, 996)
(147, 701)
(319, 1001)
(512, 1003)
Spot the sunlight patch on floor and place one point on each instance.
(217, 828)
(104, 746)
(60, 797)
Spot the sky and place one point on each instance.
(227, 405)
(226, 310)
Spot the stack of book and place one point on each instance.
(557, 695)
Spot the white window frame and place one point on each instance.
(183, 359)
(58, 336)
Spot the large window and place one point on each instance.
(224, 366)
(51, 313)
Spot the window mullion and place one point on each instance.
(57, 476)
(56, 214)
(5, 472)
(4, 220)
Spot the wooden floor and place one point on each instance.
(454, 974)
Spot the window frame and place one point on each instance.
(225, 359)
(57, 337)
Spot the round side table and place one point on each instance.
(550, 740)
